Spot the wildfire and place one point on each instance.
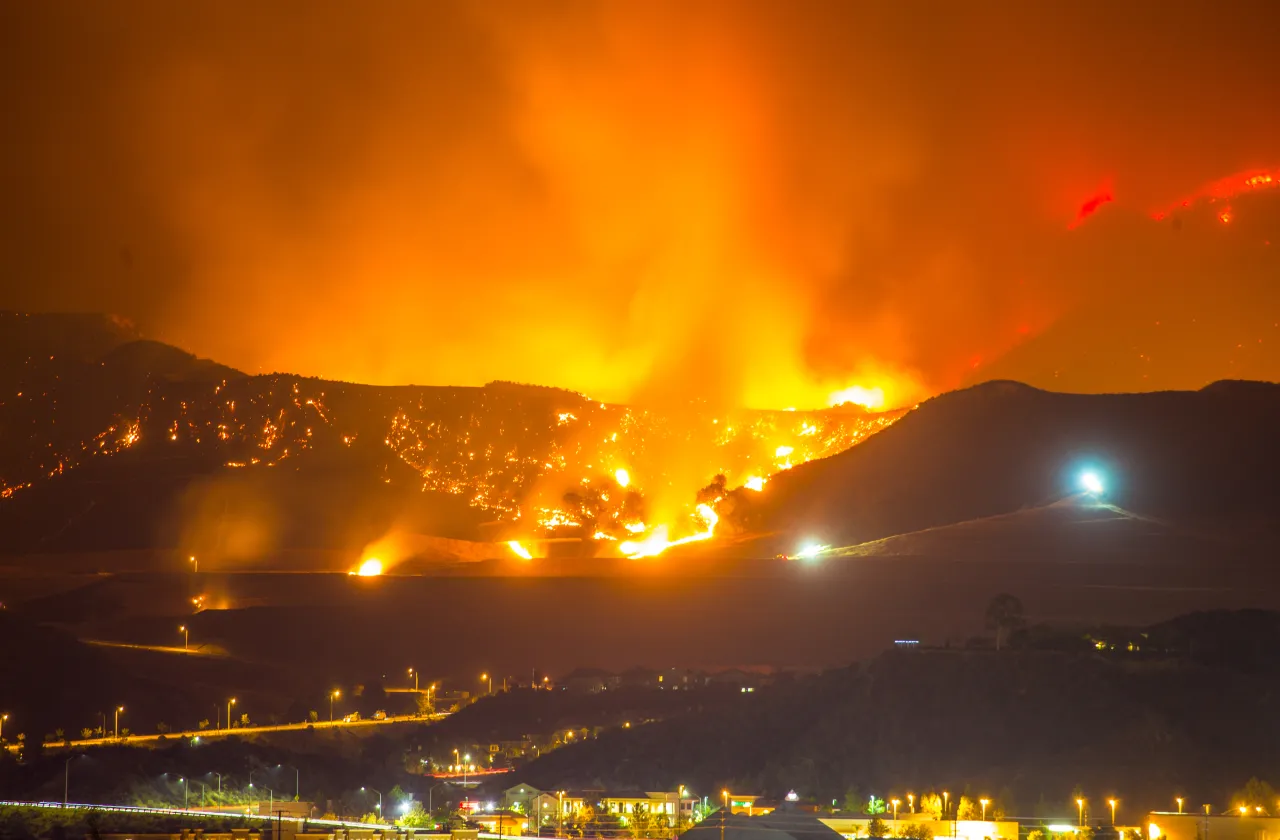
(755, 483)
(369, 568)
(519, 550)
(622, 477)
(872, 398)
(658, 542)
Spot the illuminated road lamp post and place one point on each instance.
(466, 763)
(414, 674)
(195, 564)
(946, 804)
(911, 802)
(3, 718)
(379, 799)
(486, 677)
(119, 709)
(895, 802)
(1179, 801)
(186, 636)
(230, 703)
(1113, 803)
(333, 695)
(1080, 808)
(984, 803)
(185, 788)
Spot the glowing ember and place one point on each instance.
(622, 476)
(865, 397)
(1090, 207)
(519, 550)
(755, 483)
(369, 568)
(783, 451)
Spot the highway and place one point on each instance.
(202, 734)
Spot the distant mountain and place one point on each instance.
(1208, 458)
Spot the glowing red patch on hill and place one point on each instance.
(1249, 181)
(1090, 207)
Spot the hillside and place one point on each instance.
(1207, 457)
(110, 442)
(1016, 725)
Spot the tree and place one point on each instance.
(86, 733)
(853, 800)
(877, 828)
(313, 716)
(967, 809)
(162, 727)
(918, 831)
(1255, 794)
(931, 803)
(1004, 615)
(873, 806)
(204, 724)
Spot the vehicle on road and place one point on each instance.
(351, 718)
(379, 715)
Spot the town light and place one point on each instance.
(1080, 806)
(1179, 801)
(1112, 803)
(984, 803)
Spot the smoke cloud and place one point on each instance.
(747, 202)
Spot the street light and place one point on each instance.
(195, 564)
(332, 696)
(946, 806)
(911, 802)
(297, 780)
(466, 762)
(186, 636)
(1112, 803)
(119, 709)
(1179, 801)
(414, 674)
(185, 788)
(3, 718)
(484, 677)
(379, 799)
(230, 703)
(895, 803)
(984, 803)
(1080, 808)
(1243, 810)
(66, 779)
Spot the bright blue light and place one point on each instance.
(1091, 483)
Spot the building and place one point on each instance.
(590, 681)
(778, 825)
(851, 825)
(1170, 826)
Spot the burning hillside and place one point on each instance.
(537, 463)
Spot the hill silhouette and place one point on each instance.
(1204, 458)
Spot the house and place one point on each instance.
(590, 680)
(520, 798)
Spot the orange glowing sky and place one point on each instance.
(754, 202)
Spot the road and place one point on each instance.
(239, 730)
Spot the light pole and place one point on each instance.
(185, 789)
(484, 677)
(333, 695)
(1112, 803)
(1080, 808)
(186, 636)
(219, 775)
(297, 780)
(195, 564)
(375, 790)
(946, 806)
(119, 709)
(66, 779)
(414, 674)
(3, 718)
(911, 802)
(466, 761)
(230, 703)
(1179, 801)
(984, 803)
(895, 803)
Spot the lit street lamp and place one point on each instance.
(297, 779)
(379, 799)
(414, 674)
(1179, 801)
(185, 788)
(195, 564)
(3, 718)
(911, 802)
(895, 802)
(230, 703)
(1112, 803)
(484, 677)
(186, 636)
(984, 803)
(332, 696)
(119, 709)
(1080, 808)
(946, 804)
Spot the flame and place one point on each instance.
(519, 550)
(856, 394)
(623, 477)
(658, 542)
(755, 483)
(368, 568)
(783, 451)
